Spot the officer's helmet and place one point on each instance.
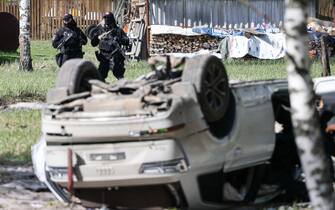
(69, 21)
(67, 18)
(109, 20)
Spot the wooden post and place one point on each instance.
(147, 31)
(305, 119)
(324, 57)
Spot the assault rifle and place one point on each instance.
(66, 38)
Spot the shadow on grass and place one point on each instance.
(14, 160)
(9, 57)
(24, 97)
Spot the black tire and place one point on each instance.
(74, 75)
(208, 75)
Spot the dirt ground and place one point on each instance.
(20, 189)
(16, 183)
(15, 192)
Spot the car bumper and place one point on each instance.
(118, 164)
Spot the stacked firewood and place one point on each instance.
(174, 43)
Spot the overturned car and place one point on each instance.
(181, 136)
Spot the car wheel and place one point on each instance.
(75, 74)
(208, 75)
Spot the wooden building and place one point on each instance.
(189, 13)
(46, 15)
(325, 8)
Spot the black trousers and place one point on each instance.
(62, 57)
(115, 63)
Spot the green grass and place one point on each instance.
(18, 131)
(266, 69)
(16, 85)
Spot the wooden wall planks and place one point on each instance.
(46, 15)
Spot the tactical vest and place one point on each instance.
(74, 43)
(107, 41)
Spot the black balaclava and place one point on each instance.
(69, 21)
(109, 20)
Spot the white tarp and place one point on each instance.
(269, 46)
(162, 29)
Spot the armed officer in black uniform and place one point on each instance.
(110, 38)
(69, 40)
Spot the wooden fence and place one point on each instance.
(46, 15)
(325, 8)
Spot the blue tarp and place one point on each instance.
(231, 32)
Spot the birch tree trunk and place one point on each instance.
(304, 114)
(25, 54)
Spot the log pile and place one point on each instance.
(174, 43)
